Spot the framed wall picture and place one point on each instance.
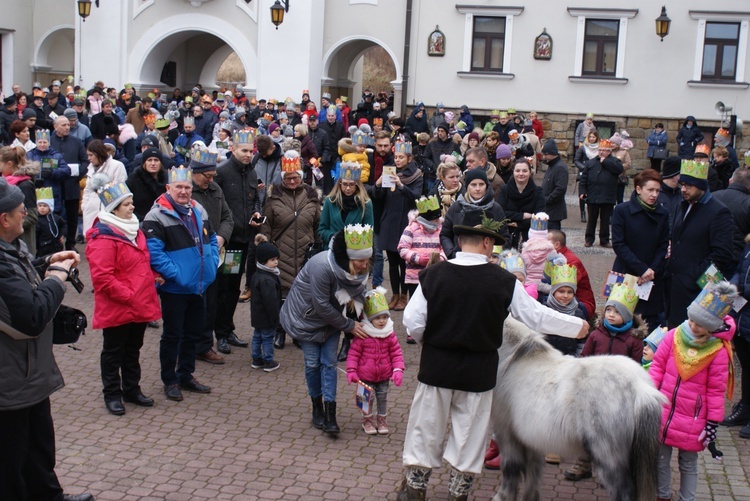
(543, 46)
(436, 43)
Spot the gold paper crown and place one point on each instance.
(539, 221)
(180, 174)
(351, 171)
(290, 162)
(111, 192)
(376, 303)
(702, 149)
(605, 144)
(161, 123)
(149, 119)
(246, 136)
(403, 147)
(693, 168)
(513, 262)
(426, 204)
(495, 113)
(377, 121)
(564, 274)
(359, 138)
(358, 236)
(714, 302)
(624, 295)
(42, 135)
(204, 156)
(722, 133)
(45, 193)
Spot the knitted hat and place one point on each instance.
(671, 167)
(151, 153)
(376, 304)
(69, 113)
(272, 127)
(478, 173)
(654, 339)
(45, 196)
(266, 251)
(149, 141)
(503, 151)
(550, 148)
(28, 113)
(10, 196)
(623, 299)
(512, 261)
(474, 136)
(712, 305)
(445, 127)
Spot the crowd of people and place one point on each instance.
(178, 198)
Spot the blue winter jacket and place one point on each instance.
(188, 267)
(655, 139)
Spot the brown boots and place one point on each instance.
(394, 301)
(398, 302)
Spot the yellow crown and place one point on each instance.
(376, 303)
(692, 168)
(358, 236)
(714, 302)
(624, 295)
(180, 174)
(403, 147)
(426, 204)
(703, 149)
(351, 171)
(539, 221)
(290, 162)
(564, 274)
(204, 156)
(246, 136)
(45, 193)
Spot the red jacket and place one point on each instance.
(628, 343)
(374, 358)
(124, 286)
(692, 402)
(584, 293)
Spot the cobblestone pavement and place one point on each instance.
(251, 437)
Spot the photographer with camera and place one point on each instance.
(29, 373)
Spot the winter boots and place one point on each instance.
(492, 456)
(330, 425)
(740, 416)
(459, 485)
(414, 485)
(579, 471)
(317, 412)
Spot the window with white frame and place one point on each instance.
(488, 36)
(600, 44)
(721, 48)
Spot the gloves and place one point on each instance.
(708, 434)
(398, 377)
(352, 376)
(46, 173)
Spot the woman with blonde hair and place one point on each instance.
(449, 186)
(19, 172)
(348, 203)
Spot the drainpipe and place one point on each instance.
(407, 45)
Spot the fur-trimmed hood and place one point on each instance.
(30, 168)
(640, 329)
(346, 146)
(338, 248)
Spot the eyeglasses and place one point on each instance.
(24, 212)
(208, 176)
(292, 178)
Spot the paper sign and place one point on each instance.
(232, 261)
(712, 275)
(364, 397)
(738, 303)
(388, 171)
(643, 291)
(49, 163)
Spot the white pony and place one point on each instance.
(545, 402)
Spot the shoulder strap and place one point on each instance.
(289, 224)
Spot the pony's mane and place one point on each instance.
(534, 344)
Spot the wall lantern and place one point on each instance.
(277, 12)
(84, 9)
(662, 24)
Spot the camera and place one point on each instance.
(75, 281)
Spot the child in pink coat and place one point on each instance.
(692, 368)
(536, 248)
(376, 359)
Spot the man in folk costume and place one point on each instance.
(459, 361)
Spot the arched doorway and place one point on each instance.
(175, 52)
(54, 55)
(343, 67)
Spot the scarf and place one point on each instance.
(187, 218)
(348, 285)
(408, 178)
(348, 204)
(523, 199)
(644, 205)
(470, 204)
(567, 310)
(591, 149)
(128, 226)
(490, 170)
(16, 180)
(692, 358)
(372, 331)
(276, 271)
(428, 226)
(614, 331)
(447, 197)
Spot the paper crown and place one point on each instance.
(513, 262)
(512, 134)
(246, 136)
(189, 120)
(566, 274)
(358, 237)
(539, 221)
(428, 204)
(42, 135)
(702, 149)
(203, 156)
(712, 301)
(188, 99)
(655, 338)
(180, 175)
(377, 121)
(128, 86)
(605, 144)
(403, 147)
(375, 303)
(149, 119)
(161, 123)
(624, 295)
(722, 134)
(112, 194)
(351, 171)
(512, 110)
(497, 249)
(553, 259)
(503, 114)
(44, 194)
(495, 114)
(692, 168)
(291, 162)
(361, 138)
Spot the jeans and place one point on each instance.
(688, 462)
(229, 291)
(320, 367)
(121, 348)
(377, 270)
(262, 344)
(381, 395)
(595, 210)
(184, 317)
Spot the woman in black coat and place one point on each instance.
(640, 237)
(598, 187)
(148, 182)
(520, 198)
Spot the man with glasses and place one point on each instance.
(209, 195)
(184, 251)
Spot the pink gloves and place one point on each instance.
(398, 377)
(352, 376)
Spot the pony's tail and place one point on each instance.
(644, 453)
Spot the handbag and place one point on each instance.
(69, 325)
(660, 152)
(312, 249)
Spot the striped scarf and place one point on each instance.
(692, 358)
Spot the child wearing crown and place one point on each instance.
(420, 242)
(693, 369)
(536, 249)
(50, 227)
(510, 260)
(354, 149)
(377, 359)
(562, 298)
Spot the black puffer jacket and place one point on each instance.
(239, 183)
(599, 180)
(146, 189)
(457, 213)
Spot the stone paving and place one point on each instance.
(251, 438)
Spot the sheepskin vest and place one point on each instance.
(467, 306)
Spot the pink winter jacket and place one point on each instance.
(374, 358)
(416, 243)
(693, 402)
(534, 254)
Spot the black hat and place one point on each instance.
(10, 101)
(550, 148)
(473, 174)
(152, 153)
(78, 102)
(265, 251)
(445, 127)
(671, 167)
(477, 223)
(150, 141)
